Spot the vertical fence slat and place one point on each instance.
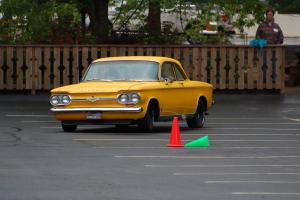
(1, 69)
(103, 52)
(222, 78)
(122, 51)
(149, 51)
(47, 69)
(66, 72)
(186, 62)
(85, 55)
(29, 63)
(213, 73)
(177, 53)
(250, 81)
(140, 51)
(204, 64)
(241, 65)
(56, 54)
(130, 51)
(10, 51)
(232, 54)
(94, 53)
(279, 68)
(168, 52)
(113, 51)
(260, 80)
(75, 69)
(158, 51)
(196, 64)
(19, 68)
(269, 82)
(37, 74)
(282, 70)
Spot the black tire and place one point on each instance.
(146, 124)
(69, 127)
(197, 121)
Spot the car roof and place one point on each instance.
(158, 59)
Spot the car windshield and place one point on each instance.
(135, 70)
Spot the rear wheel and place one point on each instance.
(68, 127)
(146, 124)
(197, 121)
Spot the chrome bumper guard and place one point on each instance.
(134, 109)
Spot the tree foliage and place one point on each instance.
(43, 21)
(286, 6)
(30, 21)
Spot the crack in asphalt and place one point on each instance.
(17, 140)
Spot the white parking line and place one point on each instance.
(199, 174)
(9, 115)
(256, 134)
(119, 139)
(247, 118)
(276, 182)
(220, 166)
(160, 147)
(288, 123)
(129, 147)
(207, 157)
(254, 123)
(255, 147)
(50, 127)
(265, 129)
(157, 139)
(252, 128)
(292, 119)
(265, 193)
(39, 121)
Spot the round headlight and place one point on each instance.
(54, 100)
(135, 98)
(124, 98)
(66, 99)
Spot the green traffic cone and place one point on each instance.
(200, 142)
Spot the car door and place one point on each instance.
(171, 98)
(189, 101)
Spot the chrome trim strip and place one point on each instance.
(96, 99)
(134, 109)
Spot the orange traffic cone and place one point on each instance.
(175, 140)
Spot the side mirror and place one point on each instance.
(169, 79)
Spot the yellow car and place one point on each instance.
(132, 90)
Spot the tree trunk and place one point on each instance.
(98, 13)
(153, 20)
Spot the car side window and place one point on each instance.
(167, 71)
(179, 75)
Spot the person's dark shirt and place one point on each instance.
(271, 32)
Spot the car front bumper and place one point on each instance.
(127, 109)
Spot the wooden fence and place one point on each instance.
(226, 67)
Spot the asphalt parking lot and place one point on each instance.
(254, 154)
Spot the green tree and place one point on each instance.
(98, 14)
(286, 6)
(31, 21)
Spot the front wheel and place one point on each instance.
(68, 127)
(197, 121)
(146, 124)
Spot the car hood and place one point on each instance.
(97, 87)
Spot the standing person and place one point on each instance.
(269, 30)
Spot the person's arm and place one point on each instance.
(259, 32)
(280, 36)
